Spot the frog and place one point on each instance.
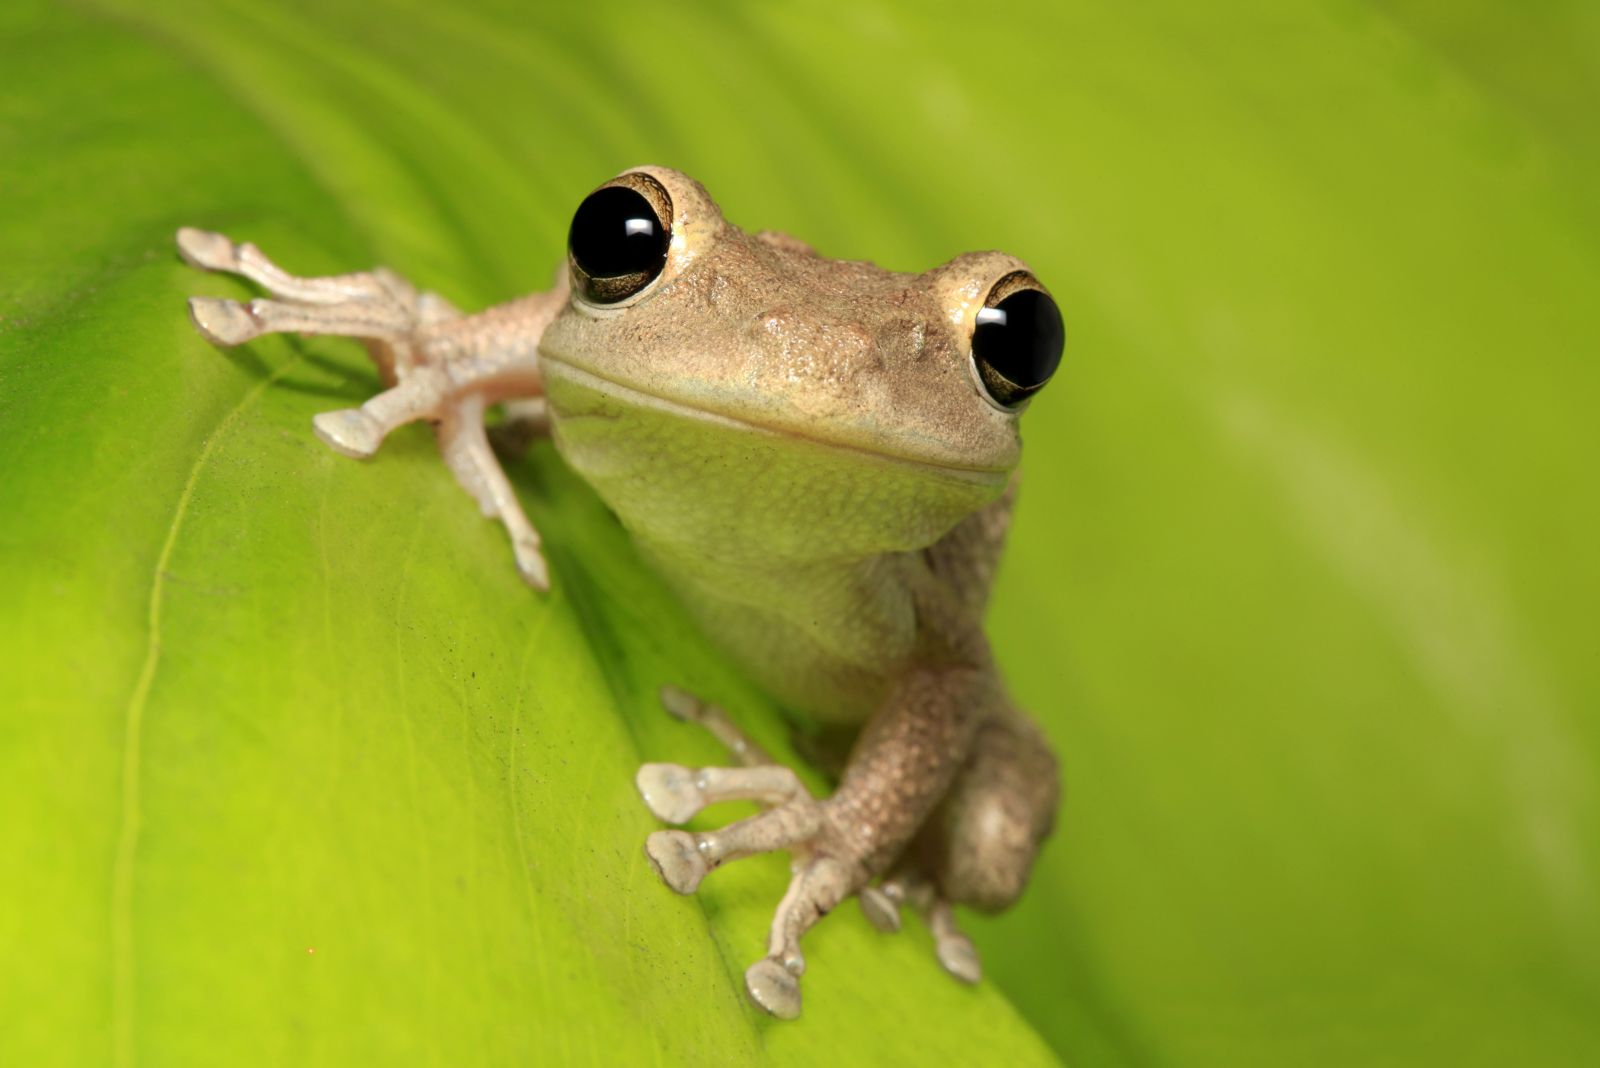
(818, 457)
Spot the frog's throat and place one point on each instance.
(633, 394)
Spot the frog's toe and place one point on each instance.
(911, 886)
(531, 563)
(680, 704)
(677, 859)
(207, 250)
(774, 987)
(959, 957)
(687, 708)
(956, 953)
(349, 432)
(223, 322)
(669, 791)
(880, 909)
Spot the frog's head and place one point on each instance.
(873, 388)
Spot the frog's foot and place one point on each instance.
(376, 304)
(440, 367)
(824, 875)
(881, 905)
(826, 869)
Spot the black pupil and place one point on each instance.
(615, 233)
(1021, 338)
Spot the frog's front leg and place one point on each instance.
(902, 765)
(439, 365)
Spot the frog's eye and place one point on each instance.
(1017, 340)
(619, 238)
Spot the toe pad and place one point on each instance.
(879, 908)
(206, 250)
(348, 432)
(676, 859)
(959, 958)
(669, 791)
(224, 322)
(774, 988)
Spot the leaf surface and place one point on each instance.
(294, 770)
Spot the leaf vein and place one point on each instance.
(122, 947)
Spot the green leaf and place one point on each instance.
(293, 769)
(304, 772)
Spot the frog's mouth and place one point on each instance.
(636, 396)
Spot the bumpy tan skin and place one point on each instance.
(801, 448)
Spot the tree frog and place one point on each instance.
(818, 456)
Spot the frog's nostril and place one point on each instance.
(905, 335)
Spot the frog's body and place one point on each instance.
(807, 451)
(821, 622)
(781, 465)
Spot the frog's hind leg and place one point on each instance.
(438, 365)
(978, 848)
(998, 813)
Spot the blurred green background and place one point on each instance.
(1304, 582)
